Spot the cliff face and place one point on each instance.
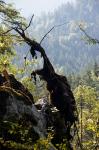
(15, 107)
(23, 123)
(16, 103)
(19, 118)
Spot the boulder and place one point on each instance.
(15, 107)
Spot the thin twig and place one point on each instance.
(89, 37)
(13, 22)
(46, 34)
(51, 30)
(4, 33)
(29, 23)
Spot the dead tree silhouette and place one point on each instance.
(60, 92)
(61, 95)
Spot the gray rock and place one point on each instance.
(53, 119)
(15, 107)
(41, 116)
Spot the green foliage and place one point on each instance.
(6, 43)
(87, 94)
(15, 136)
(42, 144)
(87, 97)
(9, 13)
(7, 53)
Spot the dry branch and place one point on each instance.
(29, 23)
(51, 30)
(4, 33)
(91, 39)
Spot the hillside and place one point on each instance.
(66, 45)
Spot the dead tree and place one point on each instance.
(61, 95)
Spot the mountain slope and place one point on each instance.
(64, 44)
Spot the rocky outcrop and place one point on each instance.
(15, 107)
(17, 112)
(37, 120)
(55, 122)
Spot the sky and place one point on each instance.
(36, 7)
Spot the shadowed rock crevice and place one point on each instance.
(3, 102)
